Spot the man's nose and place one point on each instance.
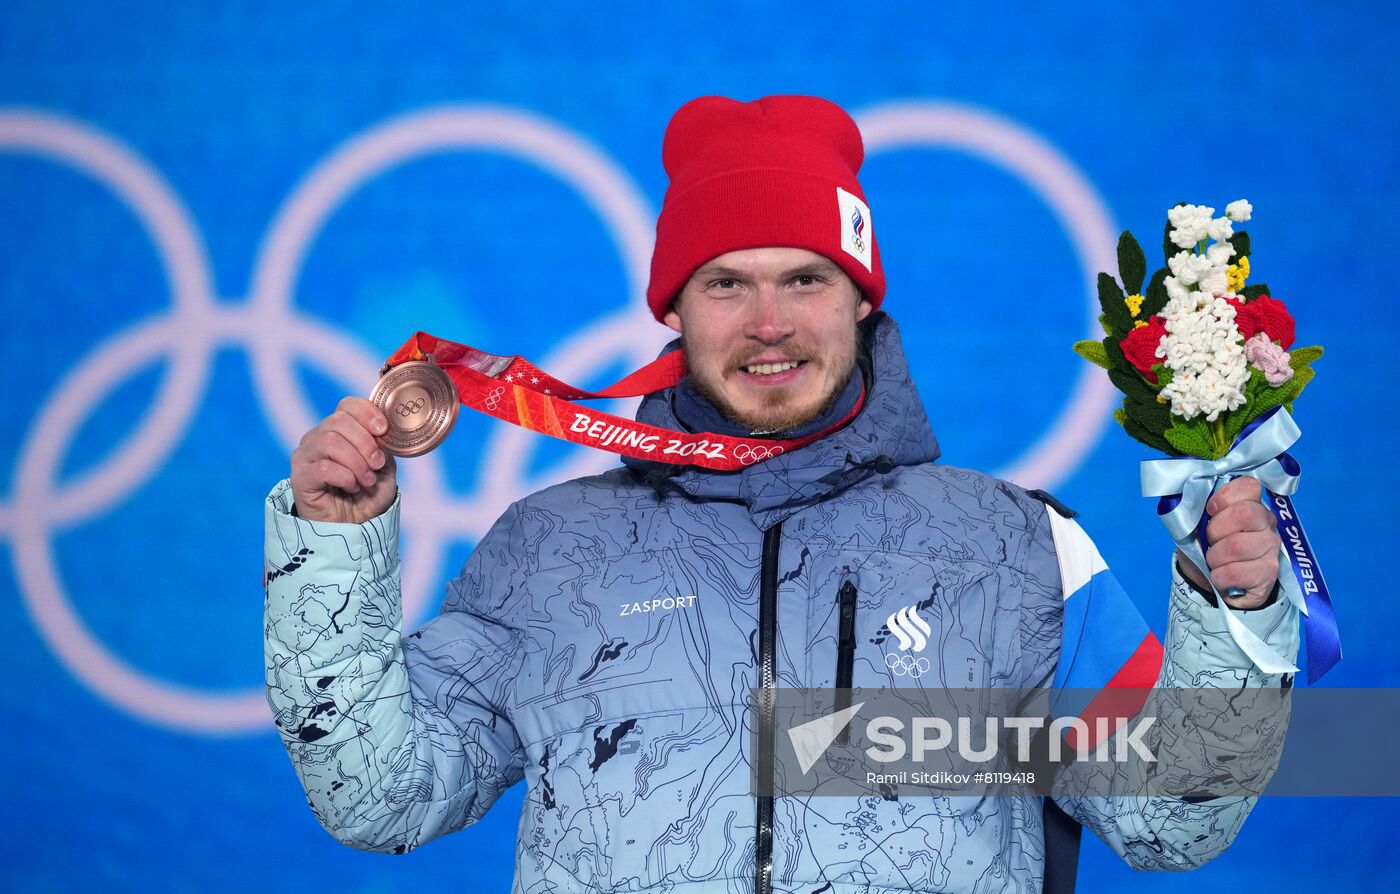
(769, 317)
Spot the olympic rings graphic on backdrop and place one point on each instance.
(275, 334)
(907, 665)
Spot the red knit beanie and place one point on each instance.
(778, 171)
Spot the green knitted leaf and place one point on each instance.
(1115, 355)
(1143, 405)
(1262, 398)
(1132, 384)
(1254, 291)
(1132, 264)
(1299, 381)
(1241, 243)
(1258, 383)
(1301, 357)
(1114, 309)
(1136, 431)
(1191, 438)
(1093, 351)
(1152, 439)
(1155, 297)
(1268, 398)
(1151, 415)
(1117, 360)
(1254, 405)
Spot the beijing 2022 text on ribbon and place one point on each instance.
(433, 372)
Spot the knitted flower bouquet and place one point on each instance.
(1207, 375)
(1198, 354)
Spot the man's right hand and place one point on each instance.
(339, 472)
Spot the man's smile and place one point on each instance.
(774, 372)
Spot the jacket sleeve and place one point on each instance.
(396, 740)
(1155, 831)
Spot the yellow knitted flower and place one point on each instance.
(1140, 323)
(1134, 303)
(1236, 274)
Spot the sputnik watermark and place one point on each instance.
(926, 735)
(929, 734)
(896, 742)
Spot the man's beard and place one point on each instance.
(777, 414)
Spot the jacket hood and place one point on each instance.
(890, 430)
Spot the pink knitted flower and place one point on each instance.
(1268, 358)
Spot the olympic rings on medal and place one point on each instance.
(409, 407)
(748, 454)
(903, 664)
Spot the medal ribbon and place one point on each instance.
(1184, 485)
(515, 390)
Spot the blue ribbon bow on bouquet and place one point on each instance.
(1184, 484)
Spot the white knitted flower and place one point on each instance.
(1209, 272)
(1202, 349)
(1220, 229)
(1220, 253)
(1239, 210)
(1190, 224)
(1174, 288)
(1215, 281)
(1188, 267)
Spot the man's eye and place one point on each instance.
(805, 280)
(725, 284)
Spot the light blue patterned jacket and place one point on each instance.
(602, 641)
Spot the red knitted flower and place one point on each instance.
(1140, 346)
(1264, 314)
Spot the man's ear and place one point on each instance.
(672, 318)
(863, 308)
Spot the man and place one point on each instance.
(603, 640)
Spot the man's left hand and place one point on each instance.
(1244, 545)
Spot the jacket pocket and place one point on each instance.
(845, 648)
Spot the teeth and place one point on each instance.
(767, 369)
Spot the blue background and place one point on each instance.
(1288, 105)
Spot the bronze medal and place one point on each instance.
(420, 403)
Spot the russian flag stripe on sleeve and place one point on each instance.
(1105, 644)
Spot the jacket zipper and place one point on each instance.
(767, 681)
(845, 651)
